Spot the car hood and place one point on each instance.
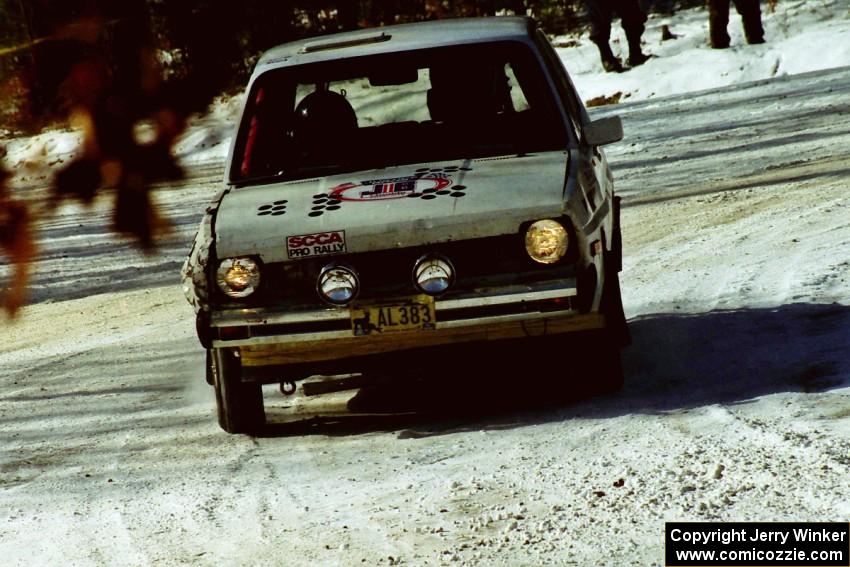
(393, 207)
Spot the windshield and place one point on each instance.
(438, 104)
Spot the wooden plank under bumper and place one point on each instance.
(334, 348)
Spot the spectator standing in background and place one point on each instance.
(718, 20)
(632, 18)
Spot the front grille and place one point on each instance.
(479, 263)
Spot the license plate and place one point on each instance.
(414, 314)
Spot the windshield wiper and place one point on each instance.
(304, 172)
(259, 179)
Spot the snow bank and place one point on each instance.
(801, 36)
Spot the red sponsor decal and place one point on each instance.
(390, 188)
(318, 244)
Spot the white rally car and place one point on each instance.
(395, 190)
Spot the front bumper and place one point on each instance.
(266, 337)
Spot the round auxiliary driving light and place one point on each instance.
(546, 241)
(433, 274)
(338, 284)
(238, 277)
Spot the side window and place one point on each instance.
(517, 97)
(562, 81)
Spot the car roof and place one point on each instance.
(401, 37)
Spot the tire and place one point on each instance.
(610, 370)
(210, 367)
(239, 404)
(598, 362)
(594, 366)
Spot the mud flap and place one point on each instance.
(617, 239)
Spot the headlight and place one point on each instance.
(338, 284)
(238, 277)
(546, 241)
(433, 274)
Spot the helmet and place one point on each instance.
(322, 117)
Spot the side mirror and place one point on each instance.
(604, 131)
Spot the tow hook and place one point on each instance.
(287, 388)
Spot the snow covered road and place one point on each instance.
(736, 405)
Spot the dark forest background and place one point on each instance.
(210, 44)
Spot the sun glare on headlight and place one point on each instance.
(238, 277)
(546, 241)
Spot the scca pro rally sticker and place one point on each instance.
(319, 244)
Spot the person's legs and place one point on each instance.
(751, 14)
(600, 13)
(633, 19)
(718, 20)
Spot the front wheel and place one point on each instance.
(600, 363)
(239, 404)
